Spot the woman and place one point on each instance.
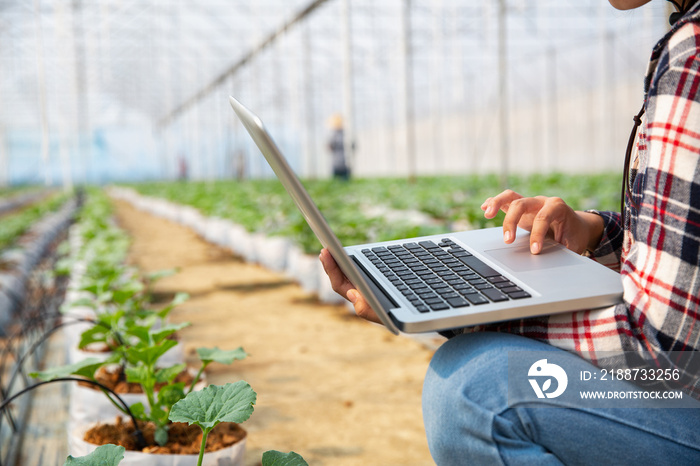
(656, 247)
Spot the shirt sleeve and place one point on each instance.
(660, 270)
(609, 249)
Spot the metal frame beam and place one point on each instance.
(221, 78)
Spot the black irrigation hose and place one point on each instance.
(5, 389)
(34, 346)
(29, 325)
(40, 316)
(140, 440)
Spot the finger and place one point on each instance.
(501, 201)
(362, 307)
(544, 222)
(516, 210)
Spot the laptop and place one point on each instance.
(453, 280)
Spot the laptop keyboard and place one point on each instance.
(442, 276)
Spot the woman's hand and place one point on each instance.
(345, 288)
(545, 217)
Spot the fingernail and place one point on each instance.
(535, 248)
(506, 236)
(352, 296)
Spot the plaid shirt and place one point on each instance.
(658, 250)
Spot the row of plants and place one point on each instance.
(14, 225)
(11, 191)
(263, 206)
(125, 339)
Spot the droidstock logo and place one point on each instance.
(542, 369)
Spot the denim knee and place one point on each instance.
(464, 386)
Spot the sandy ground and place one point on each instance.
(333, 388)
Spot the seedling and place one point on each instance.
(232, 402)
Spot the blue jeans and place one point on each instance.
(469, 418)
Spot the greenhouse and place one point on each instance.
(161, 295)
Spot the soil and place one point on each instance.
(183, 439)
(332, 387)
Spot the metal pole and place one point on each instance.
(81, 90)
(348, 107)
(503, 115)
(64, 153)
(4, 166)
(408, 92)
(41, 92)
(437, 82)
(308, 97)
(553, 108)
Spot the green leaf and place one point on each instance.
(104, 455)
(141, 332)
(171, 394)
(137, 374)
(127, 291)
(161, 435)
(177, 300)
(84, 368)
(222, 356)
(232, 402)
(138, 410)
(94, 334)
(162, 333)
(168, 374)
(277, 458)
(149, 355)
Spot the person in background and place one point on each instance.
(336, 145)
(182, 168)
(654, 242)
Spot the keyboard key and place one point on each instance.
(498, 279)
(519, 295)
(433, 300)
(462, 286)
(494, 295)
(511, 289)
(439, 306)
(476, 298)
(479, 267)
(504, 284)
(483, 286)
(457, 302)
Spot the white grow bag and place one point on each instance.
(229, 456)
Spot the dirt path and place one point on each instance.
(336, 389)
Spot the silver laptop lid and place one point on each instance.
(308, 208)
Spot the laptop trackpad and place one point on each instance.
(519, 259)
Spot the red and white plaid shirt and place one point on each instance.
(658, 251)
